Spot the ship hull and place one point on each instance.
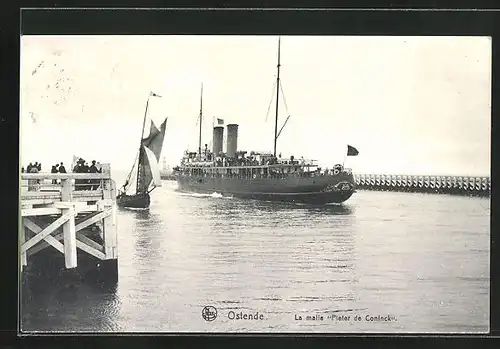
(140, 200)
(309, 190)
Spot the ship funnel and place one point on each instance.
(218, 139)
(232, 140)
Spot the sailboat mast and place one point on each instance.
(201, 119)
(277, 98)
(140, 145)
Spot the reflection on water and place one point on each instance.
(84, 307)
(422, 260)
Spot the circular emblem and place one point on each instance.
(346, 186)
(209, 313)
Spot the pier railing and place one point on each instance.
(461, 185)
(68, 208)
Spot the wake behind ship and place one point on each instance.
(258, 175)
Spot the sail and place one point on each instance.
(149, 156)
(155, 139)
(154, 168)
(147, 170)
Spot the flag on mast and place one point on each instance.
(152, 94)
(351, 151)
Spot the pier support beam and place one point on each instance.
(69, 230)
(59, 236)
(109, 224)
(24, 256)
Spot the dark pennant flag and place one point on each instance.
(351, 151)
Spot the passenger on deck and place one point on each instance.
(22, 169)
(39, 167)
(28, 168)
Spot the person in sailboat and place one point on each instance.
(123, 190)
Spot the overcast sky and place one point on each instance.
(408, 104)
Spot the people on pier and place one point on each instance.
(62, 169)
(94, 182)
(83, 167)
(79, 183)
(33, 183)
(54, 170)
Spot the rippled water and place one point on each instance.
(421, 259)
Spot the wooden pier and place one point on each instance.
(73, 215)
(458, 185)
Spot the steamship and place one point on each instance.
(259, 175)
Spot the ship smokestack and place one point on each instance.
(232, 140)
(218, 139)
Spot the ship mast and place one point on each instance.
(139, 172)
(277, 99)
(201, 118)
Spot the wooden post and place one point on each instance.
(24, 259)
(109, 222)
(69, 230)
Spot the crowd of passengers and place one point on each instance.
(262, 173)
(80, 167)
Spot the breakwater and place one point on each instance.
(458, 185)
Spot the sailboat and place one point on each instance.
(145, 168)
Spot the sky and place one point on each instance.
(410, 105)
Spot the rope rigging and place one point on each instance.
(272, 99)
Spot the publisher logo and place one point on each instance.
(209, 313)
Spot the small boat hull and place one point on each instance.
(139, 200)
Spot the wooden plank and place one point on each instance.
(90, 250)
(82, 218)
(38, 201)
(63, 176)
(54, 243)
(24, 256)
(69, 233)
(90, 242)
(109, 236)
(47, 231)
(77, 206)
(43, 211)
(43, 245)
(35, 228)
(94, 219)
(33, 195)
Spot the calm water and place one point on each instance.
(421, 259)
